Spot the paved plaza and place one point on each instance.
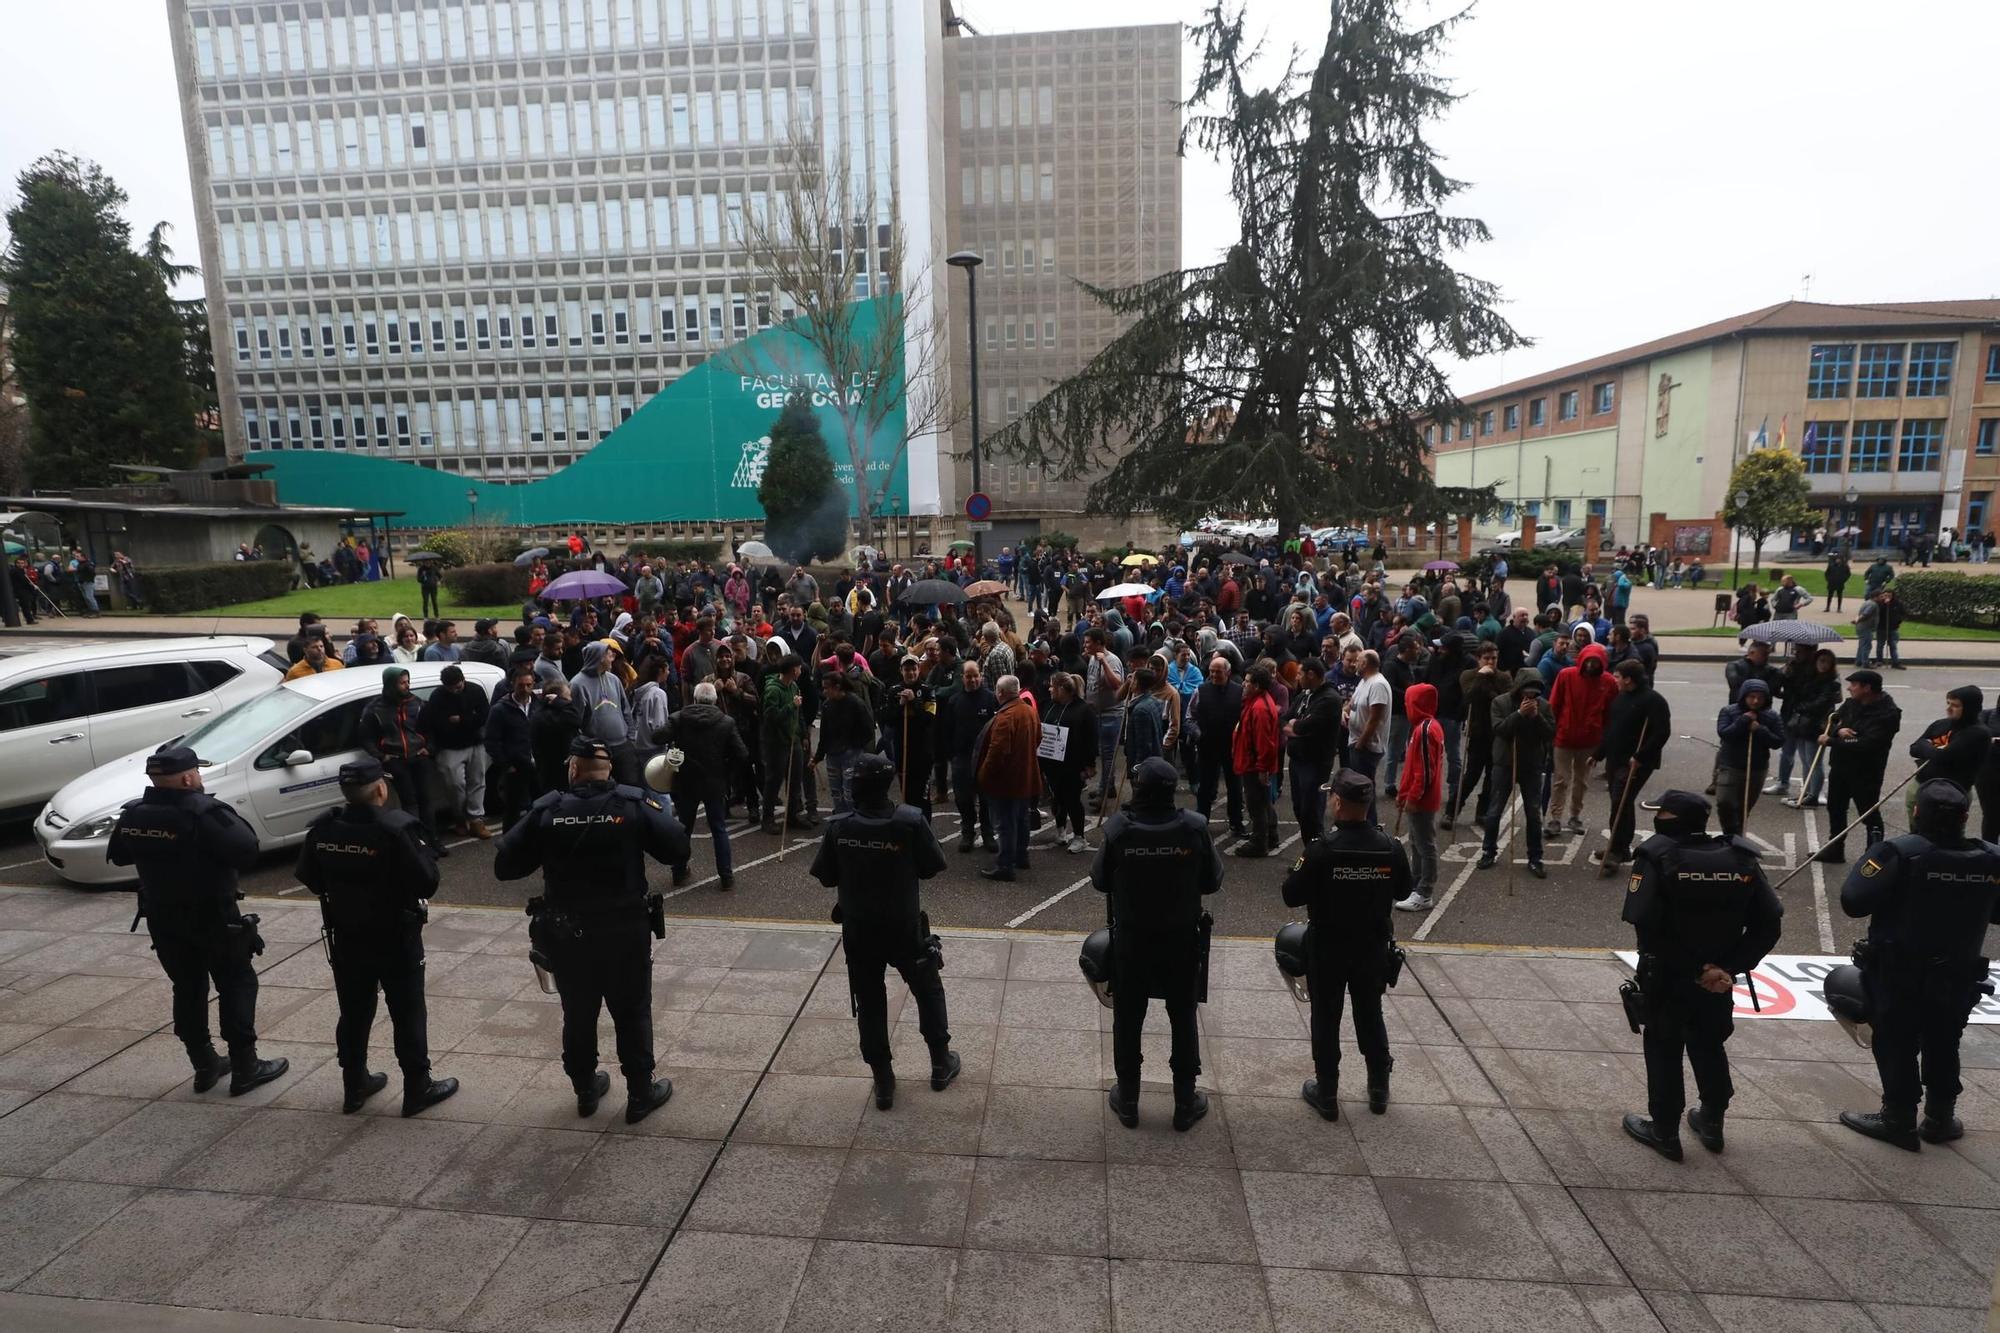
(1497, 1192)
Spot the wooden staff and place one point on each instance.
(1605, 869)
(1513, 790)
(1825, 735)
(785, 794)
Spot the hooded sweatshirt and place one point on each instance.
(1748, 735)
(389, 722)
(1421, 784)
(601, 708)
(1580, 699)
(1957, 748)
(1520, 740)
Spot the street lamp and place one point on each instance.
(1742, 498)
(969, 260)
(1850, 517)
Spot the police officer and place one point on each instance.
(591, 841)
(1704, 914)
(372, 869)
(874, 855)
(188, 848)
(1929, 896)
(1157, 863)
(1349, 882)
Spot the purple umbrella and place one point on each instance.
(1441, 567)
(580, 584)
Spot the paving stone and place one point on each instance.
(1050, 1004)
(1618, 1309)
(785, 950)
(1584, 1257)
(1769, 1315)
(926, 1121)
(1320, 1221)
(148, 1147)
(1509, 1145)
(1493, 977)
(1195, 1214)
(385, 1161)
(1043, 1122)
(639, 1181)
(1261, 1066)
(424, 1268)
(902, 1198)
(1876, 1251)
(1471, 1305)
(1536, 1024)
(1206, 1143)
(1304, 1301)
(1429, 1141)
(143, 1253)
(1973, 1234)
(808, 1109)
(513, 1170)
(969, 1001)
(60, 1054)
(977, 956)
(141, 1006)
(311, 1063)
(854, 1285)
(1042, 960)
(1926, 1319)
(50, 1127)
(1044, 1058)
(685, 985)
(300, 1246)
(724, 1041)
(1785, 1158)
(1048, 1207)
(1697, 1242)
(768, 1189)
(711, 1282)
(764, 991)
(1029, 1293)
(1154, 1296)
(1625, 1163)
(821, 1046)
(1284, 1134)
(1582, 1080)
(713, 946)
(705, 1105)
(1463, 1228)
(67, 998)
(565, 1277)
(39, 1219)
(1930, 1176)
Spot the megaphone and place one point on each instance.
(660, 769)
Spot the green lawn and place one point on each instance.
(348, 602)
(1813, 577)
(1911, 630)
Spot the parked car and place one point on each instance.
(1339, 536)
(67, 710)
(275, 757)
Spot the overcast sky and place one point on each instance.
(1644, 168)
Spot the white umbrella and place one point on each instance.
(756, 553)
(1128, 590)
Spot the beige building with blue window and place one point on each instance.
(1897, 405)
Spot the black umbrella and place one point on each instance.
(530, 556)
(1236, 558)
(933, 592)
(418, 557)
(1790, 631)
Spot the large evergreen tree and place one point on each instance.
(805, 508)
(198, 351)
(1294, 376)
(98, 346)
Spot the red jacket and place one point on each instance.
(1421, 786)
(1580, 700)
(1007, 768)
(1254, 748)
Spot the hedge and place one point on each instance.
(487, 585)
(672, 551)
(1951, 599)
(1521, 564)
(176, 589)
(470, 546)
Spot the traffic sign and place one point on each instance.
(979, 525)
(979, 505)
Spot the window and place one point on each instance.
(1823, 445)
(1993, 364)
(37, 703)
(1562, 513)
(1512, 416)
(1600, 398)
(417, 136)
(1430, 434)
(120, 688)
(1923, 443)
(1830, 370)
(1868, 451)
(1975, 511)
(1486, 422)
(1566, 405)
(1538, 412)
(1930, 370)
(1447, 431)
(1987, 438)
(1881, 371)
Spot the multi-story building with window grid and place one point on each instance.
(1061, 166)
(1897, 404)
(479, 234)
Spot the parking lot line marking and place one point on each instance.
(1821, 916)
(296, 888)
(1047, 902)
(786, 850)
(20, 865)
(1437, 912)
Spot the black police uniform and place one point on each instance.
(1349, 882)
(591, 841)
(1929, 897)
(1694, 899)
(372, 869)
(1156, 863)
(874, 855)
(188, 848)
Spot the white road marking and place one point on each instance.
(788, 848)
(18, 865)
(296, 888)
(1444, 903)
(1821, 916)
(1046, 903)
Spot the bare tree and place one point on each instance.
(824, 255)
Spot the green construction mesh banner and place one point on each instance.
(695, 451)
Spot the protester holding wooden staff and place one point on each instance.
(1636, 728)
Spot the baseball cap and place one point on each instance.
(1349, 785)
(586, 747)
(361, 773)
(170, 759)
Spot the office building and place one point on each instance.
(1896, 405)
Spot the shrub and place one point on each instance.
(487, 584)
(674, 551)
(1054, 540)
(1951, 599)
(1520, 564)
(174, 589)
(471, 546)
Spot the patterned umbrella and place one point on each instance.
(1441, 567)
(1790, 631)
